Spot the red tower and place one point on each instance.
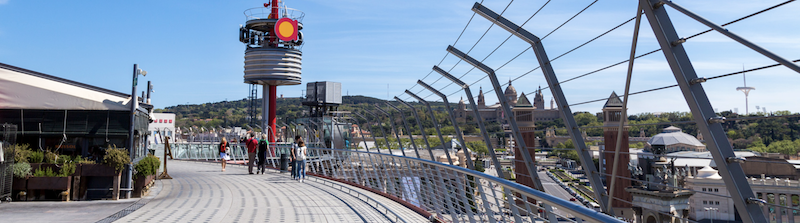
(612, 112)
(272, 58)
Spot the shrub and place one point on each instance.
(50, 157)
(147, 166)
(36, 157)
(21, 152)
(81, 160)
(47, 172)
(21, 170)
(116, 158)
(62, 159)
(67, 169)
(84, 161)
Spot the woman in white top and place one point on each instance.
(299, 156)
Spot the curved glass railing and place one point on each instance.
(448, 193)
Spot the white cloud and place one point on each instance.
(3, 2)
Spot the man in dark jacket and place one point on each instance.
(263, 146)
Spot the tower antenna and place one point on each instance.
(746, 91)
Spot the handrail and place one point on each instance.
(447, 192)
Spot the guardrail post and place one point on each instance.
(520, 143)
(453, 120)
(555, 88)
(389, 148)
(381, 164)
(478, 118)
(421, 128)
(391, 121)
(464, 148)
(405, 124)
(416, 151)
(371, 162)
(435, 124)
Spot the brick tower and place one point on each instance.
(612, 112)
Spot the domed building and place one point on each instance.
(511, 94)
(672, 139)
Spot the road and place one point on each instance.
(551, 187)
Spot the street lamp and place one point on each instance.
(134, 105)
(709, 211)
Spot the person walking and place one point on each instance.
(223, 152)
(300, 160)
(297, 139)
(263, 146)
(252, 145)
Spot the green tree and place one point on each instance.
(478, 147)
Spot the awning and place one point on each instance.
(25, 89)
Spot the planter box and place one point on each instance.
(20, 184)
(49, 183)
(96, 170)
(141, 184)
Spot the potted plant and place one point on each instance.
(116, 159)
(21, 172)
(145, 174)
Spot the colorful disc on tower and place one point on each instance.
(286, 29)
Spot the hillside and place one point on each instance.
(781, 135)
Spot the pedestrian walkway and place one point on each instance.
(200, 192)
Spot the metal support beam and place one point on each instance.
(385, 136)
(421, 129)
(526, 156)
(378, 178)
(478, 119)
(405, 124)
(435, 124)
(393, 174)
(702, 111)
(558, 94)
(399, 143)
(470, 165)
(733, 36)
(360, 129)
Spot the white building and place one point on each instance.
(163, 125)
(672, 139)
(711, 200)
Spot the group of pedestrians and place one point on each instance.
(260, 148)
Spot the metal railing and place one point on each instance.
(448, 193)
(264, 12)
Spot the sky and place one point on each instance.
(381, 48)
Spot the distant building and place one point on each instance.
(712, 201)
(163, 125)
(672, 139)
(494, 113)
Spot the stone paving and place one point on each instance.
(200, 192)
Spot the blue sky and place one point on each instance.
(380, 48)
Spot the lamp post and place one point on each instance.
(709, 211)
(131, 143)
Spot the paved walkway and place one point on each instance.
(200, 192)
